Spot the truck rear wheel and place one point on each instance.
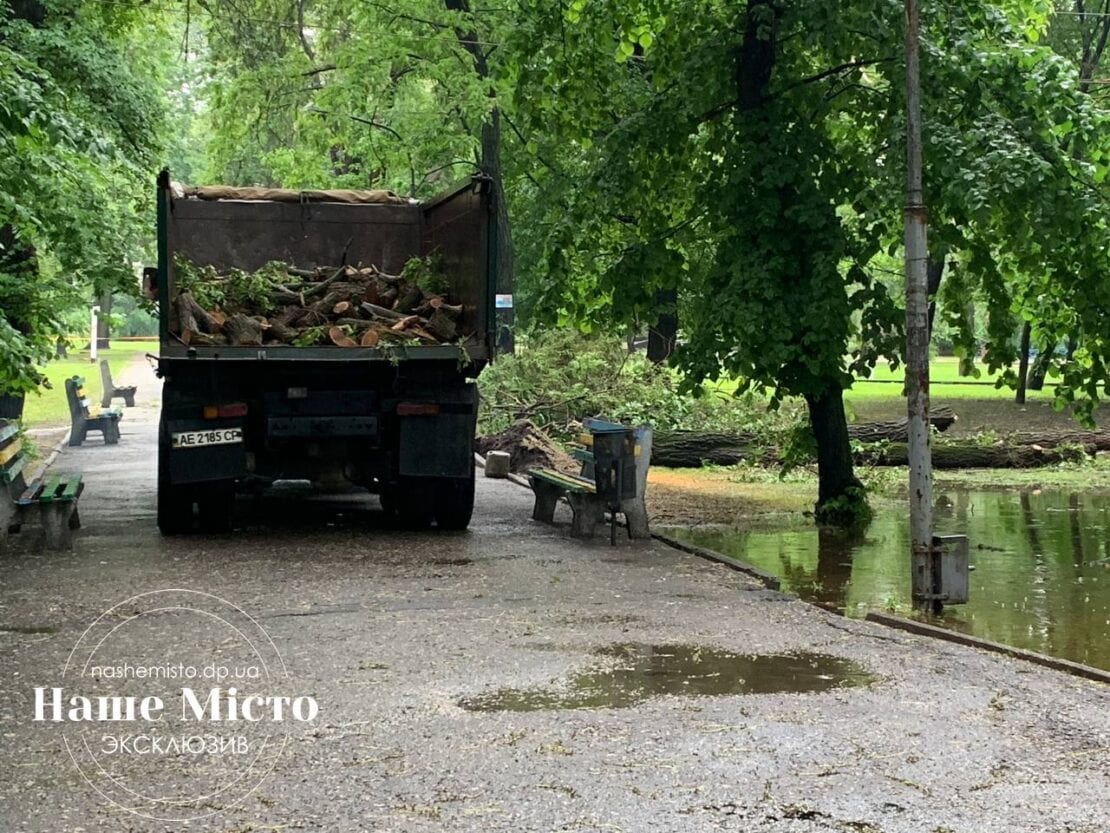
(216, 506)
(175, 503)
(454, 502)
(409, 503)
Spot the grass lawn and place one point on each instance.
(945, 382)
(978, 407)
(49, 406)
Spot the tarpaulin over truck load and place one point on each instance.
(227, 192)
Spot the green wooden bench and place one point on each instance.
(53, 496)
(595, 490)
(110, 390)
(84, 419)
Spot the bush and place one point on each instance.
(558, 378)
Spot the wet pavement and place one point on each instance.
(656, 691)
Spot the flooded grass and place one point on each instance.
(632, 672)
(1041, 559)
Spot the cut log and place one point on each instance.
(408, 299)
(192, 316)
(341, 307)
(381, 312)
(281, 332)
(339, 338)
(243, 330)
(369, 338)
(442, 326)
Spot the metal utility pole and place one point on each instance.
(924, 583)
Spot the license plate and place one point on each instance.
(217, 436)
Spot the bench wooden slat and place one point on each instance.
(9, 451)
(8, 430)
(581, 455)
(30, 495)
(565, 481)
(73, 488)
(49, 491)
(9, 474)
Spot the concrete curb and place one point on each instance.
(768, 580)
(924, 629)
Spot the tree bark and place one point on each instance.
(103, 322)
(1041, 365)
(490, 163)
(835, 475)
(972, 456)
(662, 335)
(935, 272)
(1023, 364)
(690, 449)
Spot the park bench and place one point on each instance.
(615, 460)
(112, 390)
(53, 496)
(83, 420)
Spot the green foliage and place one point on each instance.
(80, 119)
(850, 510)
(233, 289)
(560, 377)
(428, 274)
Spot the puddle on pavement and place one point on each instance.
(1041, 558)
(633, 672)
(28, 630)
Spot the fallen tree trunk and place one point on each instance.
(968, 456)
(690, 449)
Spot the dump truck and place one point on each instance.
(395, 415)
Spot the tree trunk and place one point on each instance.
(835, 475)
(690, 449)
(103, 324)
(1041, 365)
(662, 334)
(1023, 364)
(935, 272)
(490, 164)
(973, 456)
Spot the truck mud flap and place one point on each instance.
(436, 446)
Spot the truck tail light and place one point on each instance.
(234, 409)
(417, 409)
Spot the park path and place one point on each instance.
(401, 636)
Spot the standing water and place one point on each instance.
(1041, 562)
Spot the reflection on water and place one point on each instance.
(632, 672)
(1042, 566)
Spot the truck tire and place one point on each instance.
(454, 502)
(409, 503)
(175, 503)
(216, 506)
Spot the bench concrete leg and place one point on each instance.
(129, 400)
(75, 518)
(588, 513)
(111, 433)
(56, 524)
(547, 496)
(635, 512)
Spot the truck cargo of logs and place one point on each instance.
(690, 449)
(343, 306)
